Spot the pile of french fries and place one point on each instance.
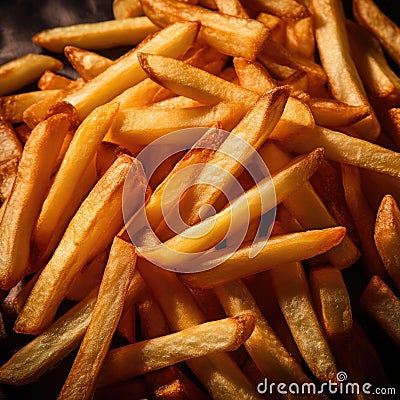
(312, 92)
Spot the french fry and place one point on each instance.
(220, 31)
(51, 81)
(87, 63)
(347, 150)
(231, 7)
(83, 374)
(132, 360)
(13, 106)
(126, 9)
(141, 126)
(199, 85)
(10, 145)
(279, 250)
(23, 131)
(80, 152)
(253, 76)
(126, 71)
(300, 37)
(331, 301)
(23, 206)
(298, 81)
(363, 219)
(275, 24)
(386, 235)
(294, 297)
(218, 373)
(22, 71)
(306, 206)
(379, 80)
(265, 348)
(50, 346)
(127, 324)
(96, 35)
(383, 306)
(371, 17)
(8, 173)
(284, 9)
(334, 50)
(79, 244)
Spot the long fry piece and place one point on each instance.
(82, 376)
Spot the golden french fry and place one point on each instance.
(24, 70)
(10, 145)
(51, 81)
(83, 374)
(23, 206)
(253, 76)
(140, 126)
(231, 7)
(96, 35)
(383, 306)
(275, 24)
(388, 33)
(50, 346)
(197, 341)
(300, 37)
(279, 250)
(8, 173)
(127, 324)
(219, 374)
(86, 63)
(126, 9)
(379, 80)
(281, 8)
(126, 71)
(364, 220)
(103, 209)
(207, 88)
(347, 150)
(306, 206)
(386, 235)
(234, 36)
(332, 302)
(298, 82)
(294, 297)
(333, 46)
(79, 155)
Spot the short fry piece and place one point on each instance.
(24, 70)
(383, 306)
(96, 35)
(51, 346)
(126, 9)
(51, 81)
(23, 206)
(81, 379)
(200, 340)
(387, 237)
(332, 302)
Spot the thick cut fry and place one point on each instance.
(253, 76)
(102, 209)
(294, 297)
(280, 8)
(387, 32)
(219, 374)
(231, 7)
(24, 70)
(141, 126)
(10, 146)
(96, 35)
(383, 306)
(14, 106)
(79, 155)
(126, 71)
(306, 206)
(8, 173)
(278, 250)
(264, 347)
(379, 80)
(23, 206)
(347, 150)
(51, 81)
(363, 218)
(300, 37)
(51, 346)
(207, 88)
(275, 24)
(234, 36)
(334, 50)
(82, 376)
(127, 8)
(387, 237)
(332, 302)
(200, 340)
